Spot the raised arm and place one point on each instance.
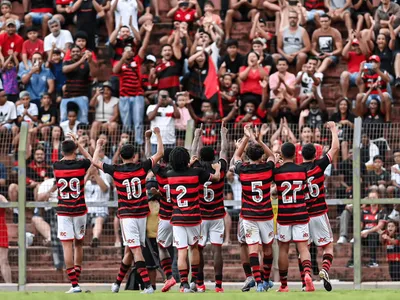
(267, 150)
(335, 139)
(146, 40)
(195, 142)
(224, 142)
(81, 149)
(70, 68)
(160, 146)
(147, 144)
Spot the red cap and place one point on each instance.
(355, 42)
(375, 58)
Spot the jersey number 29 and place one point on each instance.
(73, 184)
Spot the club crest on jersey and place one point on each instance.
(282, 236)
(322, 240)
(305, 235)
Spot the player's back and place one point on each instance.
(316, 205)
(70, 180)
(212, 193)
(290, 182)
(256, 182)
(160, 171)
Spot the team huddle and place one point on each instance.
(191, 187)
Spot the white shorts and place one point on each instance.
(320, 230)
(294, 233)
(241, 235)
(164, 233)
(259, 232)
(185, 236)
(70, 228)
(133, 231)
(213, 231)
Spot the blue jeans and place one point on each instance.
(37, 18)
(83, 104)
(166, 146)
(131, 110)
(311, 14)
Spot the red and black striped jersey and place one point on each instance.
(165, 201)
(70, 179)
(212, 193)
(130, 181)
(184, 188)
(168, 74)
(130, 78)
(256, 182)
(316, 204)
(291, 184)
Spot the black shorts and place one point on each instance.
(150, 254)
(180, 134)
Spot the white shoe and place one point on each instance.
(342, 240)
(148, 290)
(115, 288)
(193, 287)
(73, 290)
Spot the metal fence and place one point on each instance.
(35, 254)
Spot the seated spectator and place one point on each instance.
(210, 16)
(71, 125)
(55, 64)
(391, 239)
(181, 123)
(6, 13)
(10, 41)
(163, 115)
(239, 10)
(361, 13)
(326, 44)
(258, 30)
(107, 112)
(9, 76)
(285, 107)
(340, 11)
(286, 9)
(394, 35)
(31, 46)
(97, 189)
(273, 11)
(47, 117)
(185, 11)
(38, 79)
(368, 151)
(345, 178)
(282, 83)
(4, 264)
(65, 14)
(378, 180)
(376, 81)
(314, 7)
(383, 15)
(8, 115)
(81, 39)
(77, 71)
(60, 37)
(53, 146)
(229, 94)
(310, 80)
(306, 137)
(232, 61)
(293, 43)
(40, 13)
(27, 111)
(126, 13)
(267, 61)
(395, 172)
(313, 113)
(355, 52)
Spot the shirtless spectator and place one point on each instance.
(240, 10)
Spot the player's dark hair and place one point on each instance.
(254, 151)
(128, 151)
(68, 147)
(308, 151)
(207, 154)
(167, 152)
(179, 159)
(288, 150)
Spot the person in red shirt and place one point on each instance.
(355, 52)
(80, 40)
(183, 12)
(306, 138)
(31, 46)
(10, 41)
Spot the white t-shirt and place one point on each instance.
(396, 176)
(8, 111)
(126, 9)
(307, 83)
(214, 54)
(65, 127)
(93, 193)
(32, 110)
(165, 121)
(104, 111)
(61, 40)
(46, 186)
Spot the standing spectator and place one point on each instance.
(40, 13)
(125, 11)
(355, 52)
(391, 238)
(10, 41)
(241, 10)
(81, 39)
(47, 116)
(313, 113)
(181, 122)
(293, 43)
(55, 64)
(4, 265)
(326, 43)
(163, 115)
(8, 114)
(31, 46)
(38, 79)
(77, 71)
(339, 10)
(9, 76)
(378, 180)
(27, 111)
(60, 37)
(383, 14)
(107, 113)
(6, 13)
(184, 11)
(232, 61)
(131, 102)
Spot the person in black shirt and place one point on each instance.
(232, 61)
(313, 113)
(47, 117)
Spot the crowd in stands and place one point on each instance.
(52, 57)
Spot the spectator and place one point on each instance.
(239, 10)
(306, 136)
(53, 147)
(60, 37)
(6, 13)
(47, 117)
(10, 41)
(8, 114)
(258, 30)
(355, 52)
(361, 13)
(66, 16)
(181, 123)
(107, 113)
(293, 43)
(282, 83)
(10, 78)
(326, 44)
(368, 151)
(163, 115)
(27, 111)
(286, 8)
(31, 46)
(131, 102)
(184, 11)
(210, 16)
(376, 81)
(38, 79)
(340, 11)
(40, 13)
(314, 7)
(228, 94)
(378, 180)
(383, 14)
(313, 113)
(126, 12)
(309, 80)
(55, 64)
(266, 59)
(97, 189)
(345, 178)
(77, 71)
(232, 61)
(149, 78)
(395, 172)
(81, 39)
(273, 11)
(4, 265)
(390, 237)
(70, 125)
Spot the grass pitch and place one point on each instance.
(228, 295)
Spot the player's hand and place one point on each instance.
(72, 136)
(216, 167)
(148, 27)
(224, 130)
(198, 131)
(331, 125)
(247, 130)
(100, 143)
(156, 130)
(264, 130)
(193, 159)
(364, 234)
(148, 134)
(238, 143)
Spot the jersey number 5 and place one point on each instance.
(297, 188)
(73, 184)
(255, 188)
(131, 190)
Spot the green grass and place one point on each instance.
(229, 295)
